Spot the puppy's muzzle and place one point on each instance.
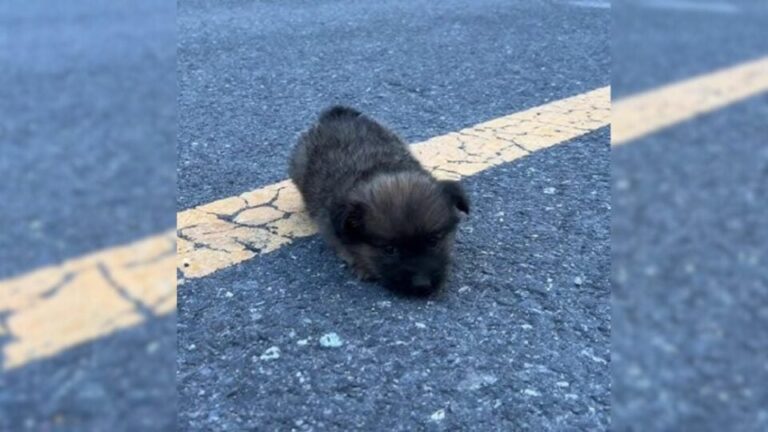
(418, 282)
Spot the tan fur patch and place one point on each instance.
(405, 204)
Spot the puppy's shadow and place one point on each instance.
(400, 293)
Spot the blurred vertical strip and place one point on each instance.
(87, 158)
(689, 230)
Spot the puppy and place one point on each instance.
(372, 201)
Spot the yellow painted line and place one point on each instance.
(53, 308)
(232, 230)
(652, 111)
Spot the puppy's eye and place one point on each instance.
(390, 250)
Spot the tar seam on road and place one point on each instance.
(651, 111)
(48, 310)
(232, 230)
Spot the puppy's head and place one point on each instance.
(401, 227)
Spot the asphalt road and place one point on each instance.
(688, 235)
(87, 132)
(658, 45)
(252, 76)
(520, 338)
(123, 382)
(88, 126)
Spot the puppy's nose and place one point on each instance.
(421, 281)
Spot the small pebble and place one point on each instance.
(272, 353)
(229, 294)
(578, 281)
(475, 381)
(549, 190)
(331, 340)
(421, 325)
(438, 415)
(302, 342)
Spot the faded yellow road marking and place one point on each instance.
(229, 231)
(53, 308)
(648, 112)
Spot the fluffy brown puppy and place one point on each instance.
(372, 201)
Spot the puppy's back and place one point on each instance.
(343, 146)
(319, 135)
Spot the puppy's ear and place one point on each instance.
(456, 195)
(348, 220)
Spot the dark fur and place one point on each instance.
(374, 203)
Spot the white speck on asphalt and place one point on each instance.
(578, 281)
(421, 325)
(191, 347)
(272, 353)
(331, 340)
(549, 190)
(474, 381)
(526, 326)
(562, 384)
(594, 358)
(229, 294)
(438, 415)
(302, 342)
(531, 392)
(464, 289)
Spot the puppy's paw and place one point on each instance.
(362, 273)
(359, 269)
